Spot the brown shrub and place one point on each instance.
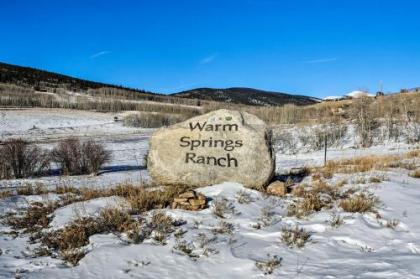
(73, 256)
(25, 190)
(269, 265)
(314, 198)
(29, 189)
(69, 240)
(152, 119)
(74, 235)
(64, 189)
(141, 199)
(6, 194)
(36, 217)
(359, 203)
(113, 219)
(77, 158)
(19, 159)
(295, 237)
(305, 206)
(222, 207)
(368, 163)
(224, 228)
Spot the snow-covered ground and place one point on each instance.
(47, 126)
(362, 247)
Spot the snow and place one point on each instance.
(363, 247)
(46, 127)
(359, 94)
(328, 98)
(90, 208)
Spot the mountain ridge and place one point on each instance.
(42, 80)
(247, 96)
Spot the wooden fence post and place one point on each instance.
(325, 150)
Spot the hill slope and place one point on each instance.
(246, 96)
(41, 80)
(45, 80)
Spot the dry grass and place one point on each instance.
(74, 235)
(313, 198)
(224, 228)
(359, 203)
(64, 189)
(368, 163)
(185, 248)
(6, 194)
(305, 206)
(36, 217)
(69, 241)
(243, 197)
(392, 223)
(336, 221)
(141, 199)
(73, 256)
(222, 208)
(152, 119)
(269, 265)
(113, 219)
(295, 237)
(29, 189)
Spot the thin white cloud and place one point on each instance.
(321, 60)
(208, 59)
(98, 54)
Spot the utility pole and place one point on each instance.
(325, 149)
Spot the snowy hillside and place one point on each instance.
(312, 232)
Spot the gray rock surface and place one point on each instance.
(216, 147)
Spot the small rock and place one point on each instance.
(180, 199)
(277, 188)
(188, 195)
(197, 202)
(190, 200)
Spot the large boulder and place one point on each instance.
(219, 146)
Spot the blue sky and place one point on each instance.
(316, 48)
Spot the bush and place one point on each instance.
(77, 158)
(359, 203)
(19, 159)
(152, 120)
(295, 236)
(223, 208)
(269, 265)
